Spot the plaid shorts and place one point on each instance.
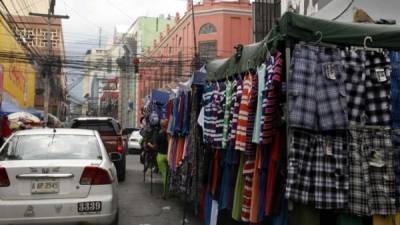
(318, 170)
(396, 146)
(372, 177)
(367, 87)
(395, 81)
(317, 89)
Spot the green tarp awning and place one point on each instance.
(303, 28)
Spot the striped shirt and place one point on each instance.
(249, 165)
(236, 98)
(218, 105)
(250, 146)
(208, 129)
(271, 112)
(244, 109)
(248, 172)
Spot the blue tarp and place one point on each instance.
(159, 96)
(8, 108)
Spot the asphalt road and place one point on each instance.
(139, 207)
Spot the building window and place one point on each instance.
(207, 29)
(208, 50)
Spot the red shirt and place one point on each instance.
(5, 127)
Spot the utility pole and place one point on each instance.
(49, 16)
(99, 37)
(196, 58)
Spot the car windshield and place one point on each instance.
(103, 127)
(51, 147)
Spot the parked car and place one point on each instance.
(110, 133)
(50, 176)
(134, 142)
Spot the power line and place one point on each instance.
(117, 8)
(84, 17)
(13, 32)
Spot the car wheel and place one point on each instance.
(116, 220)
(122, 169)
(121, 177)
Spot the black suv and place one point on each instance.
(110, 133)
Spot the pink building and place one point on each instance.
(220, 25)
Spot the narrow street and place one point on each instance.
(139, 207)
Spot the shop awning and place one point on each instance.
(160, 96)
(9, 107)
(303, 28)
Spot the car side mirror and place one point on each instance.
(115, 156)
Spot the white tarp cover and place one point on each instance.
(376, 9)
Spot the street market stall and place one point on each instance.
(300, 128)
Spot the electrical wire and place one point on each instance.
(340, 14)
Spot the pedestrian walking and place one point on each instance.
(160, 145)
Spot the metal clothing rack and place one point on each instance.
(287, 62)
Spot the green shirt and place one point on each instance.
(261, 86)
(227, 110)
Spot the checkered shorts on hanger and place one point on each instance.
(318, 169)
(317, 89)
(372, 177)
(368, 87)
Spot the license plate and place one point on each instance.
(45, 186)
(89, 207)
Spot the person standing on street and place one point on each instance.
(160, 144)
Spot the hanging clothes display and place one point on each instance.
(337, 160)
(315, 142)
(178, 129)
(342, 154)
(239, 167)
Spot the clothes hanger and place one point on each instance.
(365, 47)
(368, 48)
(319, 42)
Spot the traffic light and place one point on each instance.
(136, 63)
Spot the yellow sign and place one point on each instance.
(18, 73)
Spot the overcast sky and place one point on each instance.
(81, 30)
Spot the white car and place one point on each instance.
(50, 176)
(134, 142)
